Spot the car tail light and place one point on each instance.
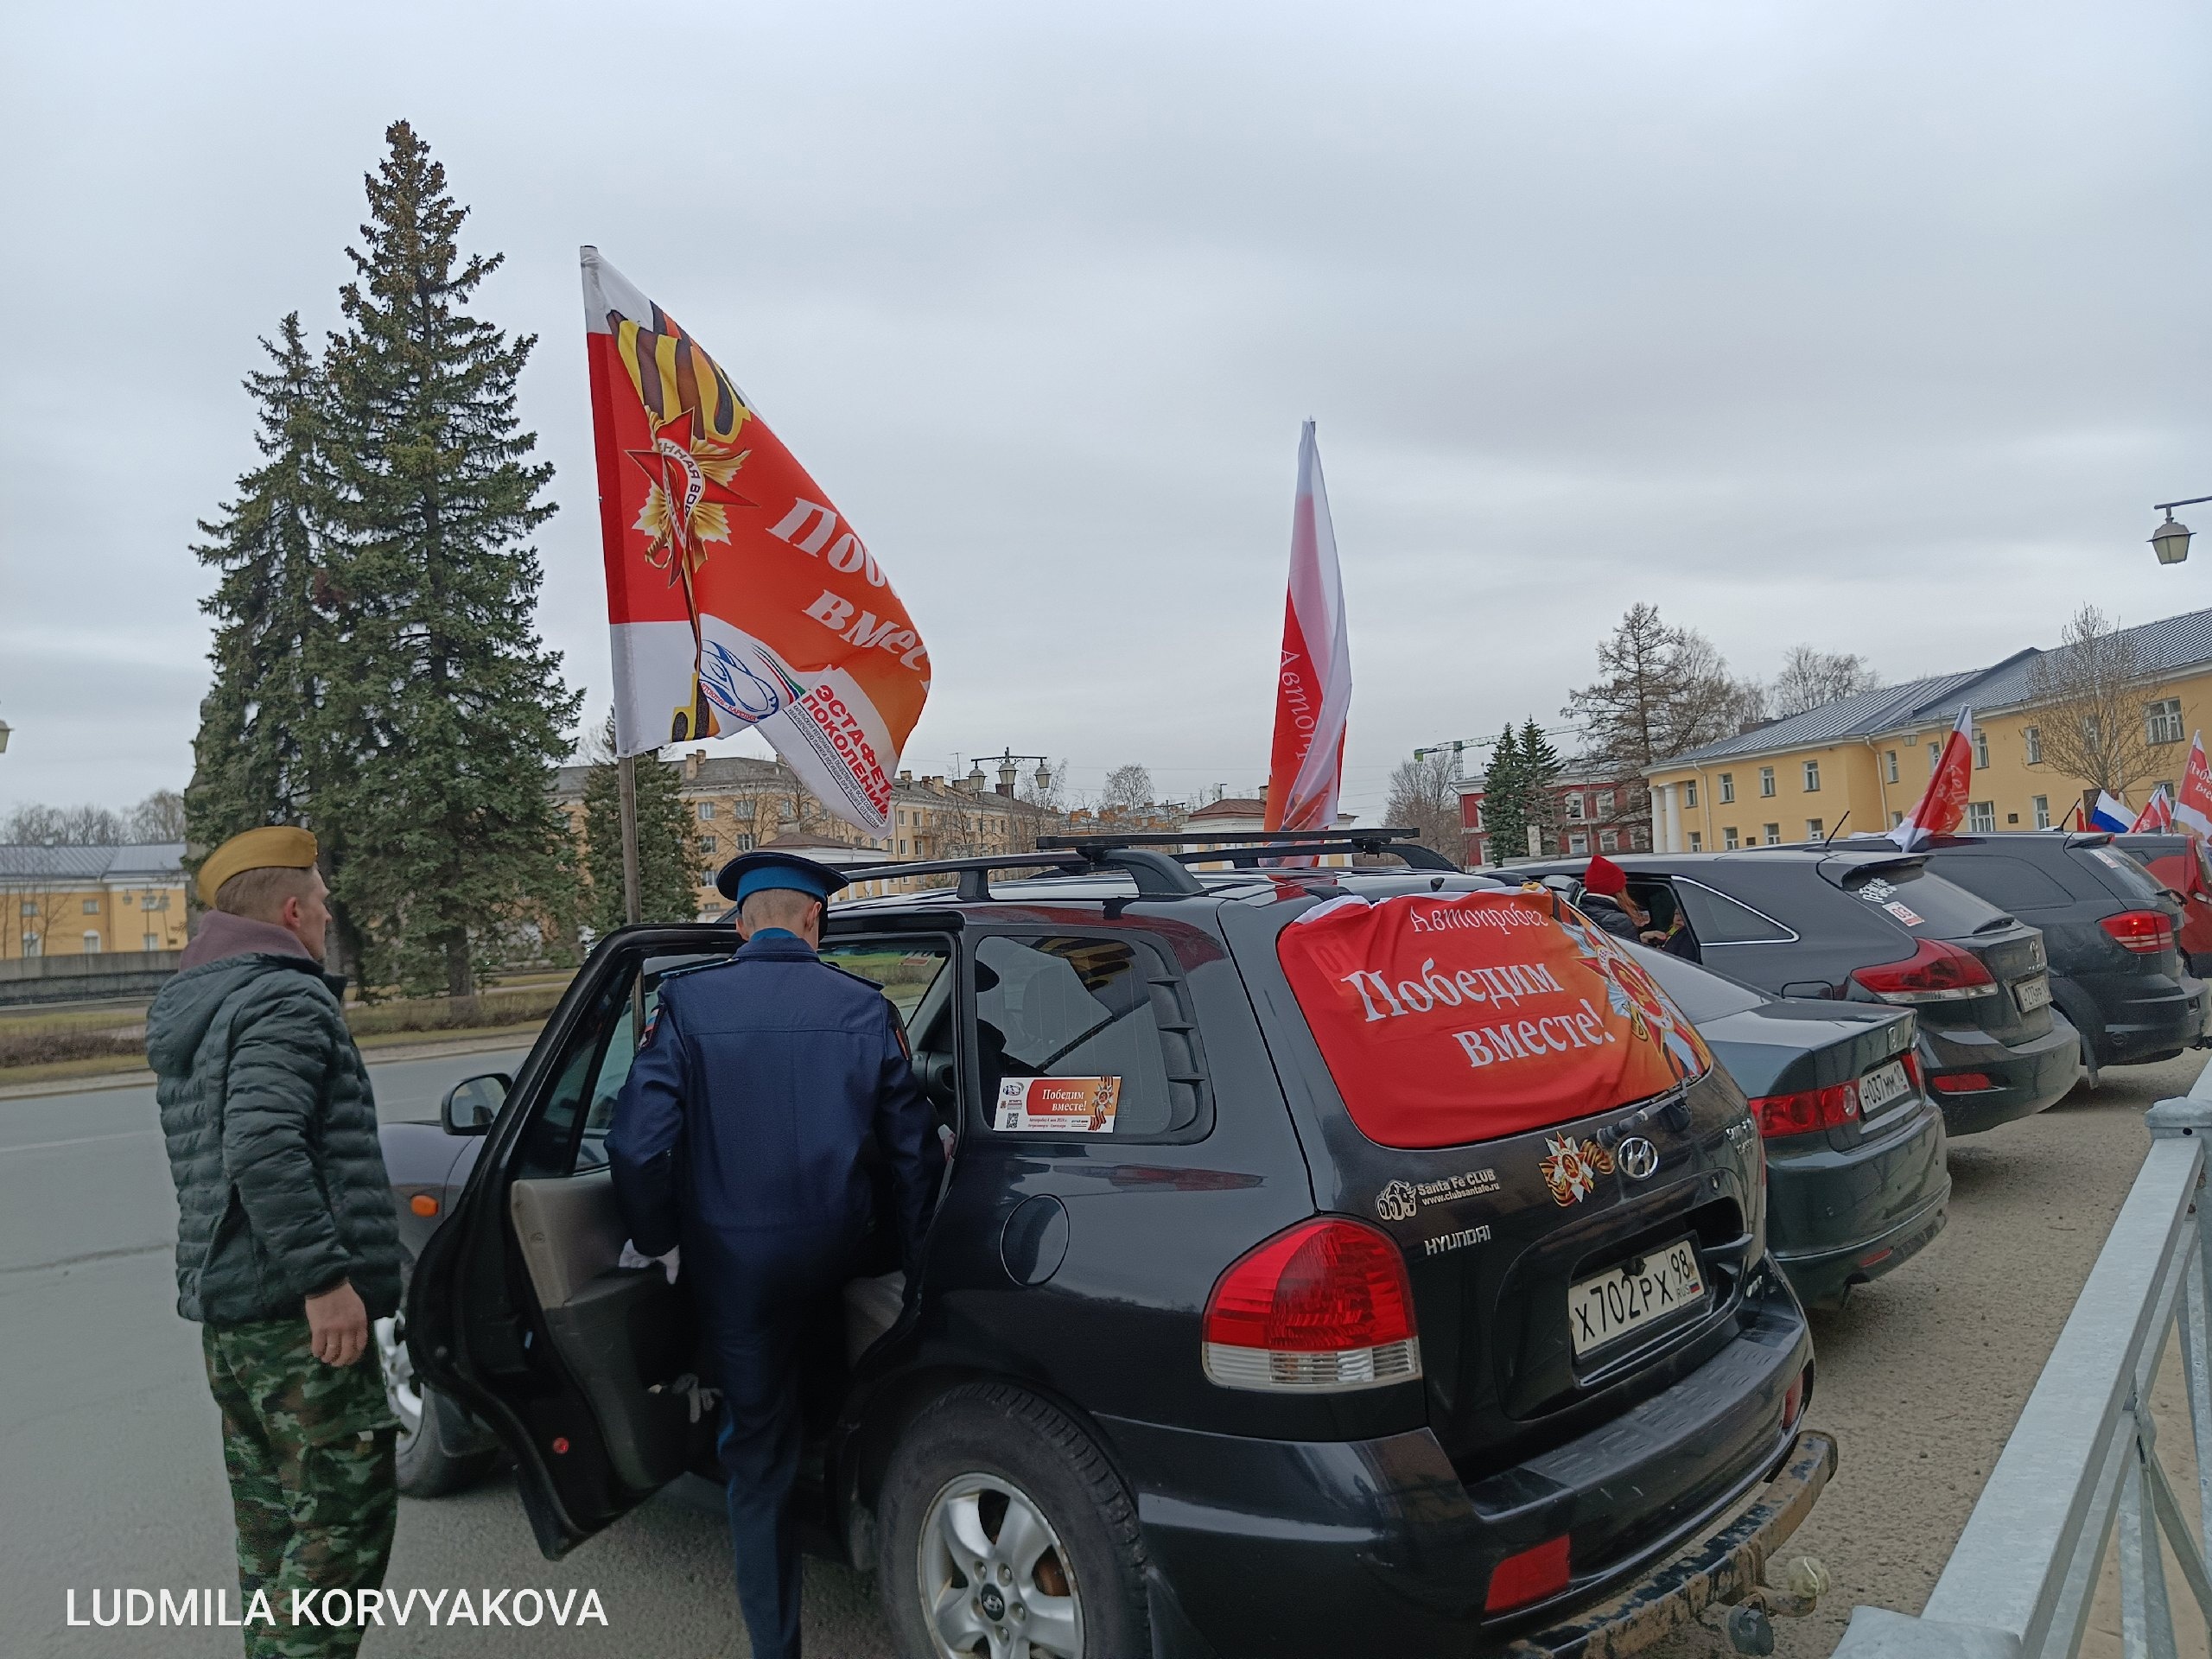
(1912, 1069)
(1807, 1110)
(1960, 1083)
(1325, 1306)
(1529, 1576)
(1793, 1402)
(2145, 932)
(1936, 972)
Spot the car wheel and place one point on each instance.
(1004, 1531)
(436, 1451)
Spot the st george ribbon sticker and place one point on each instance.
(1058, 1105)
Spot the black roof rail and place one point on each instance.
(1381, 836)
(1245, 849)
(1155, 875)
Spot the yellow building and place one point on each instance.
(1860, 764)
(68, 901)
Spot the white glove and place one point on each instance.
(633, 1257)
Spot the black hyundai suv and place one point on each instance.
(1225, 1359)
(1878, 926)
(2111, 933)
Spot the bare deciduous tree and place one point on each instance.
(1127, 788)
(159, 818)
(1811, 678)
(2090, 694)
(62, 826)
(1423, 797)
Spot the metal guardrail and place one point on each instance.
(2082, 1461)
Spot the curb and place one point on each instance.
(487, 1043)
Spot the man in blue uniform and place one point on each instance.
(739, 1133)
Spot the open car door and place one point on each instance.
(587, 1373)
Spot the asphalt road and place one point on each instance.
(110, 1470)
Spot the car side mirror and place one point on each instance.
(470, 1106)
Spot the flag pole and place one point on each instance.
(626, 771)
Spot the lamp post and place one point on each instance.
(1009, 769)
(2170, 539)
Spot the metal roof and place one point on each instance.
(2163, 647)
(155, 861)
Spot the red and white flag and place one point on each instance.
(2157, 816)
(1943, 803)
(737, 595)
(1313, 682)
(2193, 810)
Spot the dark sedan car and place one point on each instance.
(1859, 926)
(1856, 1180)
(1408, 1290)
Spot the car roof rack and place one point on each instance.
(1155, 875)
(1246, 849)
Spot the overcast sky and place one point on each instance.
(1877, 327)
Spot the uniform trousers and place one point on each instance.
(308, 1450)
(772, 1306)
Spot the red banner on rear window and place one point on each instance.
(1447, 1019)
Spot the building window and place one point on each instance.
(1896, 818)
(155, 901)
(2032, 737)
(706, 843)
(34, 945)
(1728, 788)
(1609, 840)
(1766, 780)
(91, 907)
(1478, 811)
(152, 942)
(1639, 839)
(1812, 777)
(91, 943)
(30, 907)
(1813, 830)
(1697, 842)
(1578, 842)
(705, 811)
(1728, 837)
(707, 878)
(1935, 754)
(1980, 749)
(1606, 798)
(1981, 818)
(1774, 835)
(1889, 766)
(2042, 804)
(2162, 721)
(1574, 807)
(742, 843)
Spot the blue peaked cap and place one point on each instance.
(751, 872)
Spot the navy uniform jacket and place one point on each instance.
(742, 1122)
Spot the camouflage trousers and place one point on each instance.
(308, 1450)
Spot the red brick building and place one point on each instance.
(1595, 816)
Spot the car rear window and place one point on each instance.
(1450, 1018)
(2134, 882)
(2011, 884)
(1923, 902)
(1697, 992)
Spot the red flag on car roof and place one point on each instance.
(2158, 813)
(2193, 810)
(1313, 680)
(1943, 803)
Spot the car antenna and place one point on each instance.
(1838, 830)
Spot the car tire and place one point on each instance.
(440, 1449)
(1000, 1521)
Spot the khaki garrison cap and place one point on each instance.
(274, 847)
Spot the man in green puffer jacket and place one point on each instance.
(286, 1248)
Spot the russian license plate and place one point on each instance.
(2032, 993)
(1881, 1087)
(1643, 1290)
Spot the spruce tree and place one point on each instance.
(455, 706)
(1541, 770)
(263, 751)
(669, 858)
(1505, 801)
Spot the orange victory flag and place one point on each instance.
(736, 594)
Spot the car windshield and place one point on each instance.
(1919, 900)
(1699, 992)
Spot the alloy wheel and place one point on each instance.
(995, 1579)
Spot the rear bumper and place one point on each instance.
(1840, 1216)
(2025, 1076)
(2139, 1017)
(1377, 1546)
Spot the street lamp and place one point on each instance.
(2170, 539)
